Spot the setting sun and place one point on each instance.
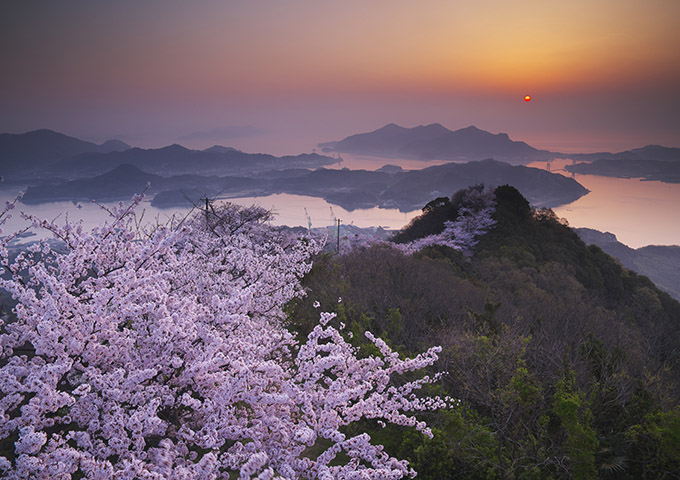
(527, 98)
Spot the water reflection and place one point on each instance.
(638, 212)
(291, 210)
(90, 213)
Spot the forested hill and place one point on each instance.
(566, 364)
(661, 263)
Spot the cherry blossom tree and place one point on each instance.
(162, 353)
(475, 217)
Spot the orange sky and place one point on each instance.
(603, 74)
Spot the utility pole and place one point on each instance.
(207, 205)
(338, 244)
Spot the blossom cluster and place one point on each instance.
(161, 353)
(475, 217)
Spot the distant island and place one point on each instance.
(351, 189)
(56, 167)
(659, 170)
(430, 142)
(436, 142)
(178, 160)
(646, 153)
(22, 154)
(411, 190)
(44, 154)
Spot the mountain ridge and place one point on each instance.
(177, 160)
(434, 141)
(351, 189)
(37, 148)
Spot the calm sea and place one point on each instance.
(639, 213)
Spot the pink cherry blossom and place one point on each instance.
(474, 219)
(161, 352)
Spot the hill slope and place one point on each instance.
(566, 364)
(659, 262)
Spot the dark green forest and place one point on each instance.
(566, 364)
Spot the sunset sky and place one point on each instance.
(603, 74)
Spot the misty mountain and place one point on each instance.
(185, 190)
(660, 263)
(114, 145)
(351, 189)
(177, 160)
(543, 189)
(124, 181)
(649, 152)
(220, 149)
(411, 190)
(22, 154)
(385, 141)
(437, 142)
(662, 171)
(390, 169)
(44, 154)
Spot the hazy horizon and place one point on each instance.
(602, 75)
(282, 142)
(281, 77)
